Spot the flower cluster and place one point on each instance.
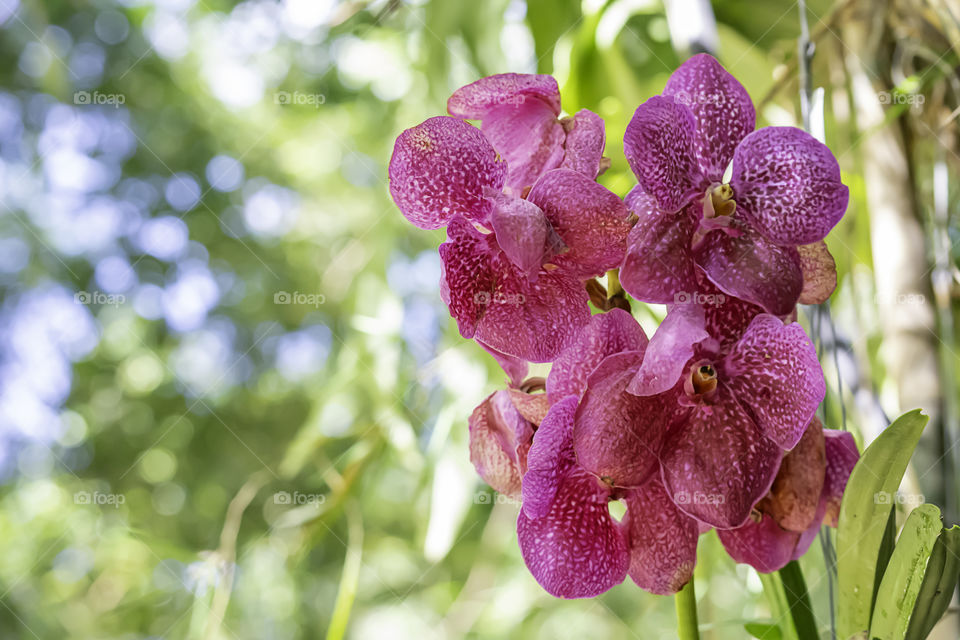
(708, 423)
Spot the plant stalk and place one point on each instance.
(686, 600)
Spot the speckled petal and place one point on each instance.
(591, 220)
(819, 272)
(477, 99)
(468, 278)
(438, 170)
(659, 144)
(663, 540)
(575, 550)
(617, 435)
(607, 334)
(788, 184)
(763, 545)
(499, 440)
(523, 232)
(583, 148)
(750, 267)
(659, 265)
(795, 495)
(671, 347)
(726, 316)
(550, 458)
(776, 376)
(721, 107)
(718, 465)
(842, 456)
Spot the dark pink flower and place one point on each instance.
(784, 193)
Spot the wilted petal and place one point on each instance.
(617, 435)
(842, 456)
(591, 220)
(532, 406)
(550, 458)
(583, 149)
(795, 495)
(659, 144)
(499, 441)
(663, 540)
(659, 265)
(721, 107)
(776, 376)
(750, 267)
(519, 117)
(606, 334)
(763, 545)
(575, 550)
(670, 348)
(438, 170)
(788, 184)
(718, 465)
(523, 232)
(819, 272)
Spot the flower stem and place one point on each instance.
(686, 600)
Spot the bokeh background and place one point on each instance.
(232, 404)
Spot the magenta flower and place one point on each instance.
(515, 283)
(519, 115)
(747, 235)
(805, 495)
(709, 412)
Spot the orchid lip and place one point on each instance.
(718, 201)
(702, 381)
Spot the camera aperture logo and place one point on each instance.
(95, 97)
(299, 98)
(297, 498)
(95, 497)
(298, 298)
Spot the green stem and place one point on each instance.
(795, 589)
(686, 600)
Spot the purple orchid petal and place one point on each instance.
(721, 107)
(763, 545)
(670, 348)
(842, 456)
(659, 144)
(794, 498)
(523, 232)
(583, 148)
(663, 540)
(438, 170)
(718, 465)
(617, 435)
(532, 406)
(726, 316)
(775, 374)
(819, 272)
(477, 100)
(788, 184)
(492, 300)
(606, 334)
(750, 267)
(515, 368)
(591, 220)
(549, 459)
(575, 550)
(499, 440)
(659, 264)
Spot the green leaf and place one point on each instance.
(904, 575)
(939, 583)
(798, 600)
(864, 517)
(764, 630)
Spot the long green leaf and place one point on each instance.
(763, 630)
(904, 575)
(939, 583)
(863, 518)
(801, 611)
